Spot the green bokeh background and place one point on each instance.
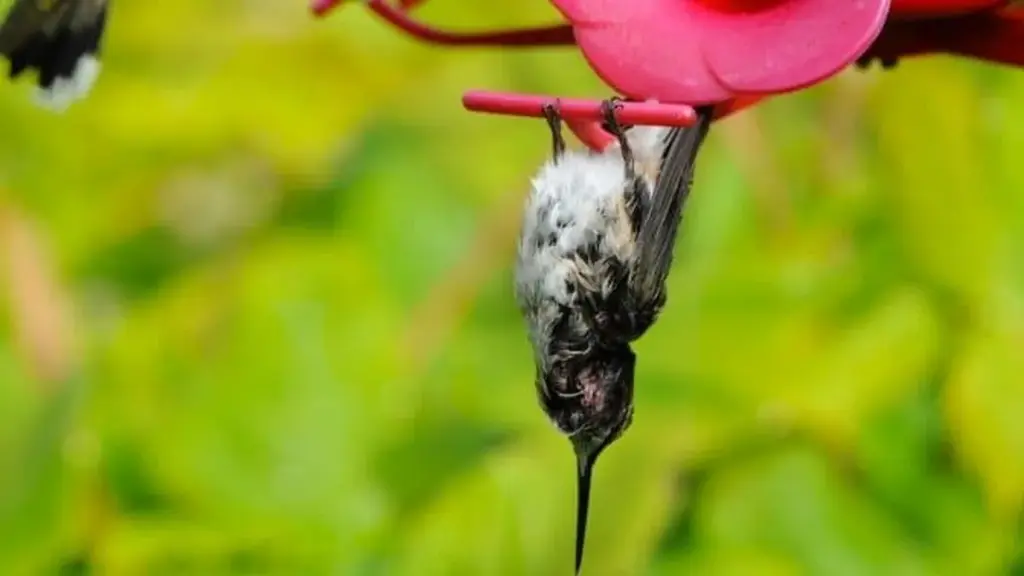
(257, 319)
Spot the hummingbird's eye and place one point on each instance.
(559, 376)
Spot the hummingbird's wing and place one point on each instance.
(657, 234)
(27, 17)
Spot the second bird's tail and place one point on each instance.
(60, 43)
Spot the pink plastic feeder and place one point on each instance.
(709, 51)
(988, 30)
(729, 53)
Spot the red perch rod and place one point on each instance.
(637, 113)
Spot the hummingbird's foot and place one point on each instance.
(554, 118)
(612, 126)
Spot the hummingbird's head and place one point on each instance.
(590, 398)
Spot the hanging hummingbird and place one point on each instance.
(60, 40)
(593, 255)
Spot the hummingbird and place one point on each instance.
(593, 255)
(60, 40)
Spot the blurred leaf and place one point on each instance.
(906, 467)
(408, 217)
(36, 489)
(791, 502)
(131, 479)
(941, 197)
(981, 403)
(860, 374)
(466, 443)
(519, 500)
(168, 546)
(140, 264)
(736, 561)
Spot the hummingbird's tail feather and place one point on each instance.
(65, 57)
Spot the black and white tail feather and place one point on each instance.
(60, 40)
(594, 253)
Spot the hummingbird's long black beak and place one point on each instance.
(584, 471)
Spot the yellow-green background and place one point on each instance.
(257, 319)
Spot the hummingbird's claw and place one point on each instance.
(611, 125)
(554, 118)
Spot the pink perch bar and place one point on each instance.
(638, 113)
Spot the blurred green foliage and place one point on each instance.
(286, 250)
